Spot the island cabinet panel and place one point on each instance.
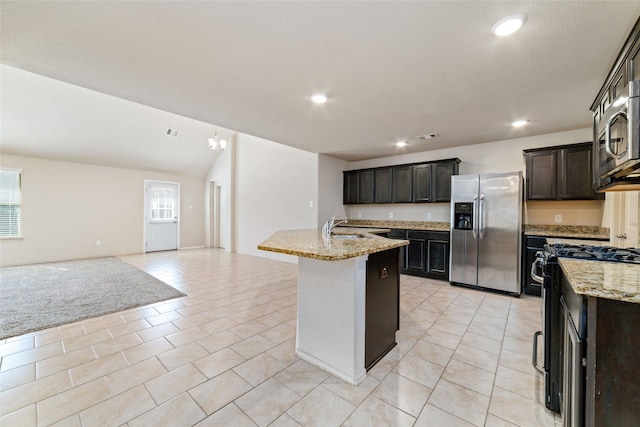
(422, 183)
(382, 313)
(366, 180)
(612, 396)
(402, 180)
(383, 185)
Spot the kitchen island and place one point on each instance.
(601, 303)
(348, 296)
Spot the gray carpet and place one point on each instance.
(40, 296)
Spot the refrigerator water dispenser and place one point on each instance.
(463, 216)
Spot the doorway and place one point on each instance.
(219, 225)
(161, 216)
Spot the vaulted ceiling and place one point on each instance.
(393, 70)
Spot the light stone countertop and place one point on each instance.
(310, 243)
(400, 224)
(570, 231)
(612, 280)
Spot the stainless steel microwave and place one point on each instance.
(616, 148)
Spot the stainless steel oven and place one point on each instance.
(617, 139)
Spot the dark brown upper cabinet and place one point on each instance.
(350, 188)
(366, 186)
(402, 180)
(383, 187)
(422, 183)
(560, 173)
(410, 183)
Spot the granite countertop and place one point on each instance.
(404, 225)
(571, 231)
(552, 240)
(310, 243)
(612, 280)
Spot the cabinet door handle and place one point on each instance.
(607, 138)
(621, 236)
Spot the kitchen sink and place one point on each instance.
(349, 236)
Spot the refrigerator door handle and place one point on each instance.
(475, 212)
(481, 216)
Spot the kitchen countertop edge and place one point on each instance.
(601, 279)
(309, 243)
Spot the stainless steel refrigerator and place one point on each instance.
(486, 228)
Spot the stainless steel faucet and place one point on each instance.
(328, 226)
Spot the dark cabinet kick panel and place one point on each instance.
(411, 183)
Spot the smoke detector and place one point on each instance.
(173, 132)
(428, 136)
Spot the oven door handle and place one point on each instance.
(607, 133)
(534, 357)
(534, 276)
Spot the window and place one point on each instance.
(162, 203)
(10, 200)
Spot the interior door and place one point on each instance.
(161, 216)
(624, 232)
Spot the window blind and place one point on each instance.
(10, 200)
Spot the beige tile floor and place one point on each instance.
(224, 356)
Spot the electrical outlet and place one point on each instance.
(310, 203)
(428, 215)
(390, 215)
(558, 218)
(98, 242)
(359, 214)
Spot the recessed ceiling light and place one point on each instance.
(519, 123)
(319, 98)
(401, 143)
(508, 25)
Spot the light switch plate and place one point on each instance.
(558, 218)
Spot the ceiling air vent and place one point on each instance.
(173, 132)
(428, 136)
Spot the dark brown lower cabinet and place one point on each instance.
(612, 395)
(599, 354)
(382, 312)
(428, 254)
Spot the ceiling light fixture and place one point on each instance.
(401, 143)
(319, 98)
(519, 123)
(508, 25)
(217, 144)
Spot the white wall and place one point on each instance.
(221, 174)
(330, 188)
(274, 187)
(498, 156)
(66, 207)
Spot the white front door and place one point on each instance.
(162, 205)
